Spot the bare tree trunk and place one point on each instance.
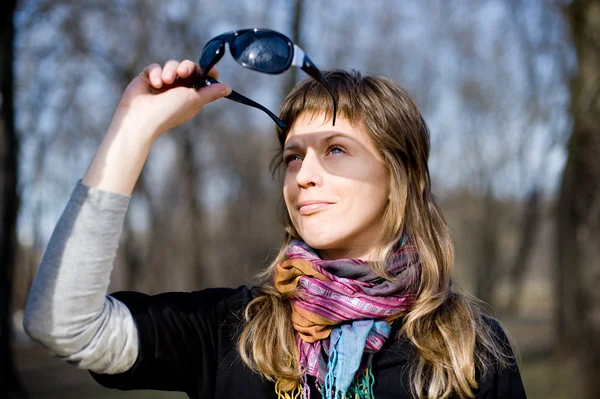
(132, 257)
(578, 232)
(524, 251)
(190, 178)
(488, 253)
(10, 385)
(296, 25)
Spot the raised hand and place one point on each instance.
(160, 98)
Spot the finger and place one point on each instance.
(213, 92)
(169, 72)
(152, 73)
(187, 68)
(214, 73)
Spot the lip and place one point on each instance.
(312, 206)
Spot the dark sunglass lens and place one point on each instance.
(210, 52)
(261, 51)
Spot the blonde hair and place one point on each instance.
(455, 342)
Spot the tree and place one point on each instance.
(10, 386)
(578, 229)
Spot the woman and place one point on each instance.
(358, 303)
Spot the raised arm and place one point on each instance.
(68, 309)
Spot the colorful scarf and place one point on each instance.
(341, 311)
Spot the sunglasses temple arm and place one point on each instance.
(310, 68)
(237, 97)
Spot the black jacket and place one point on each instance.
(188, 344)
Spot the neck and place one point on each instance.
(354, 253)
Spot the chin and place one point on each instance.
(320, 242)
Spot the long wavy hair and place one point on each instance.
(456, 343)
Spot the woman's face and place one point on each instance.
(336, 187)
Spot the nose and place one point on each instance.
(311, 171)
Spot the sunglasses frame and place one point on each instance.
(297, 57)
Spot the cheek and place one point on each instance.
(375, 183)
(369, 202)
(373, 199)
(290, 190)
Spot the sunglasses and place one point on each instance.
(261, 50)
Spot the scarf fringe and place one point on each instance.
(361, 388)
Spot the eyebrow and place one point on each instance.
(296, 146)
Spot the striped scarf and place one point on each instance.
(341, 311)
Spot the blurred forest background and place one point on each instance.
(510, 89)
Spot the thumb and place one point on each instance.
(213, 92)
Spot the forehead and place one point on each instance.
(308, 127)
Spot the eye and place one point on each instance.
(291, 158)
(335, 150)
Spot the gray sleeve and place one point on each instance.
(68, 310)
